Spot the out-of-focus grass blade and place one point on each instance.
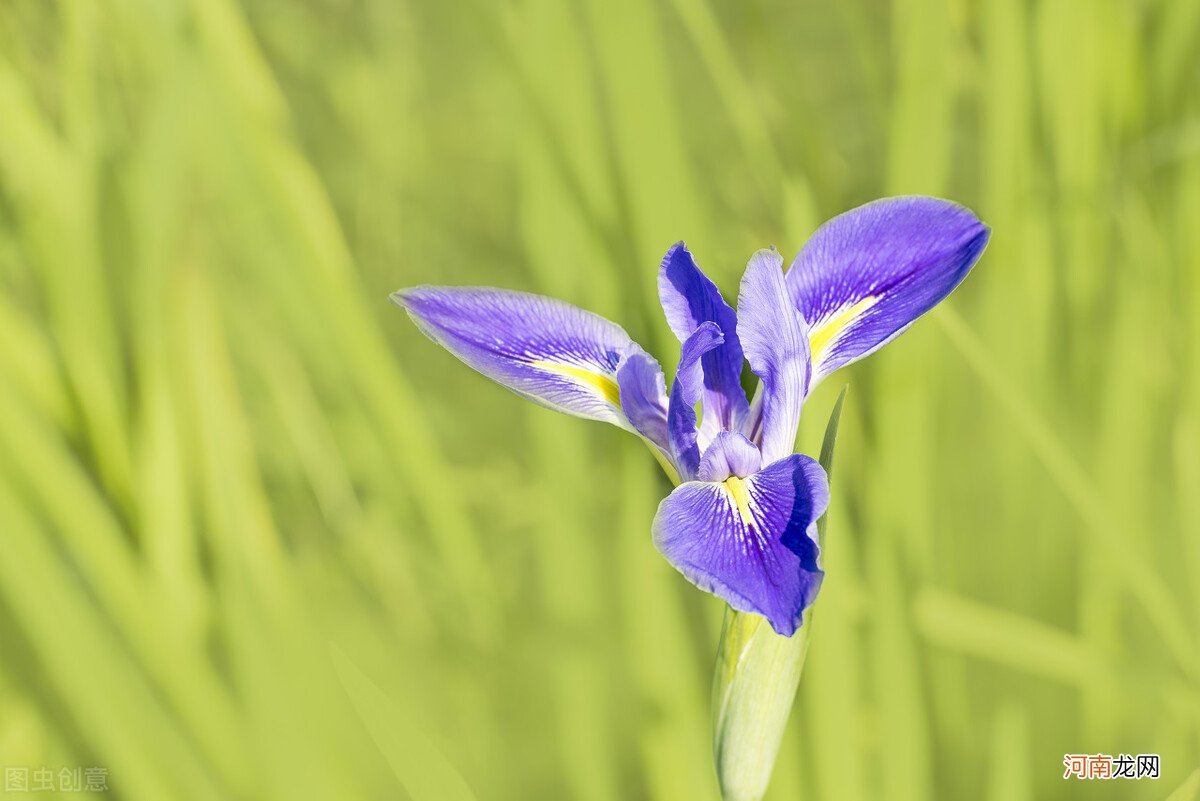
(831, 695)
(897, 678)
(1005, 638)
(419, 766)
(737, 95)
(920, 130)
(1174, 45)
(31, 367)
(676, 760)
(108, 699)
(87, 530)
(1010, 775)
(1187, 476)
(239, 518)
(651, 172)
(1189, 790)
(56, 191)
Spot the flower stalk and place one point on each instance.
(755, 681)
(754, 685)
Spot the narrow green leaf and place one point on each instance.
(831, 432)
(826, 460)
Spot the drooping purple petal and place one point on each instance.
(730, 454)
(751, 541)
(685, 393)
(690, 298)
(868, 274)
(773, 337)
(543, 349)
(643, 394)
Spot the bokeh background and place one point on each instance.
(259, 539)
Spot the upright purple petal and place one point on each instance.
(643, 394)
(730, 454)
(868, 274)
(685, 394)
(751, 541)
(689, 298)
(543, 349)
(772, 334)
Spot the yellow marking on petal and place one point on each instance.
(741, 498)
(600, 382)
(821, 337)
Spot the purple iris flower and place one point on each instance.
(741, 523)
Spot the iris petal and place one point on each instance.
(868, 274)
(751, 541)
(643, 394)
(773, 336)
(730, 454)
(685, 393)
(690, 298)
(543, 349)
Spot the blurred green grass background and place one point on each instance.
(260, 540)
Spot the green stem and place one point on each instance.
(754, 685)
(755, 682)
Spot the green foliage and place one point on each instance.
(259, 539)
